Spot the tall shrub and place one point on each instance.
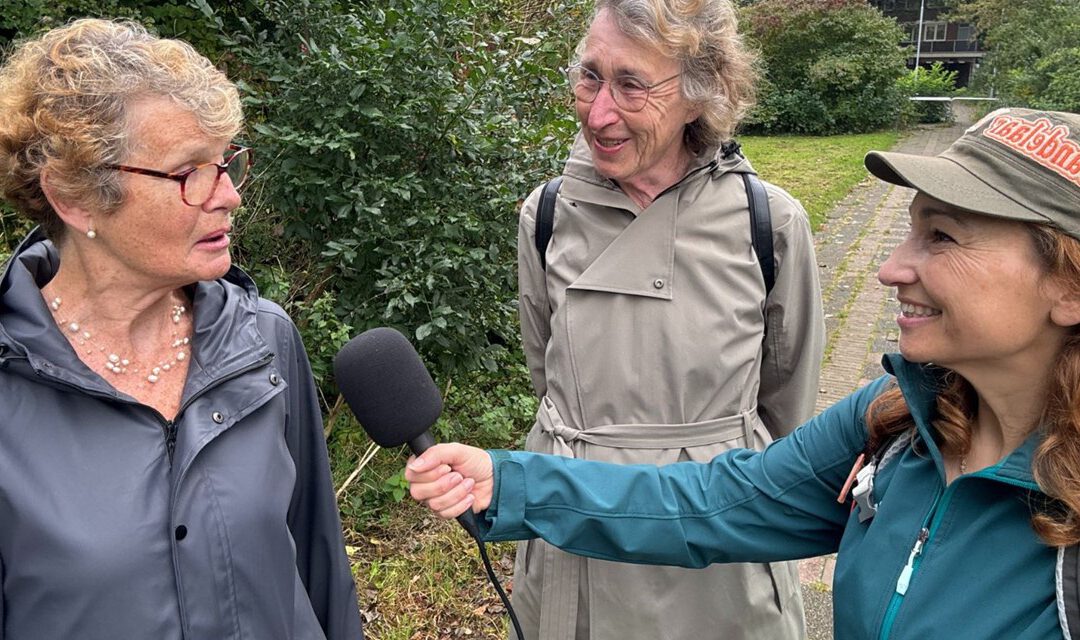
(828, 66)
(396, 140)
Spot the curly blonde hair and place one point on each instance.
(63, 102)
(1056, 462)
(718, 71)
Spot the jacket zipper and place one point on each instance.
(934, 517)
(170, 439)
(170, 445)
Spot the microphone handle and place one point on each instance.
(467, 520)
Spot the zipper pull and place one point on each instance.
(905, 575)
(170, 439)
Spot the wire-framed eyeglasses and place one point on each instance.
(629, 92)
(198, 183)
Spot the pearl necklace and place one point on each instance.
(118, 364)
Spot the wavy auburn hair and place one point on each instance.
(63, 102)
(1056, 463)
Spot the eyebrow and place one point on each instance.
(622, 71)
(959, 216)
(186, 153)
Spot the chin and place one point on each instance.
(915, 356)
(213, 270)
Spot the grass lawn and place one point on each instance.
(419, 578)
(819, 171)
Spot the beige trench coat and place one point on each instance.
(644, 341)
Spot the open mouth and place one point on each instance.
(217, 239)
(609, 143)
(918, 311)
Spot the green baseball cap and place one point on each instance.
(1020, 164)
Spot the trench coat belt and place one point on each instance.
(559, 594)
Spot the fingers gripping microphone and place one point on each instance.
(391, 393)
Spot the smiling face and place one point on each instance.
(640, 148)
(972, 292)
(153, 236)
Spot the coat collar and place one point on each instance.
(920, 384)
(626, 266)
(226, 334)
(586, 184)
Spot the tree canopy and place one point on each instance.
(1034, 50)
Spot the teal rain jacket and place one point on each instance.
(936, 561)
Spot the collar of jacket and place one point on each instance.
(226, 336)
(920, 384)
(586, 184)
(641, 260)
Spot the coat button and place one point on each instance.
(274, 379)
(658, 283)
(217, 417)
(181, 532)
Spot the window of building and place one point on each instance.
(965, 33)
(934, 31)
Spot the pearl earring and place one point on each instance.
(90, 233)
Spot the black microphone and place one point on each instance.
(391, 393)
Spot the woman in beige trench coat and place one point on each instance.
(649, 337)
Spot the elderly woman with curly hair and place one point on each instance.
(647, 325)
(163, 472)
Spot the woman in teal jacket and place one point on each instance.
(946, 486)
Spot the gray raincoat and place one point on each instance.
(644, 340)
(118, 524)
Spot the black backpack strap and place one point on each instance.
(545, 218)
(761, 228)
(1068, 590)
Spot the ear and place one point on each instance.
(692, 114)
(1065, 311)
(74, 216)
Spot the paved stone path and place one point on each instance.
(857, 236)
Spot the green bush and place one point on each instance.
(829, 66)
(935, 81)
(395, 143)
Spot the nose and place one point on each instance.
(225, 195)
(899, 267)
(603, 111)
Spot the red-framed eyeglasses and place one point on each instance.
(198, 183)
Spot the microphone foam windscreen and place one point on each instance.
(387, 386)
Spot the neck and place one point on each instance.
(1008, 411)
(645, 187)
(121, 314)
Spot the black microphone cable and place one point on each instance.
(474, 533)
